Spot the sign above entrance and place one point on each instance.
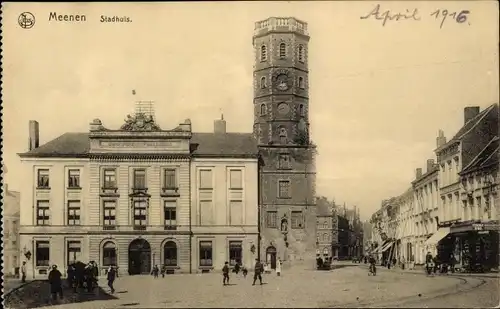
(139, 144)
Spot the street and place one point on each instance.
(11, 283)
(349, 286)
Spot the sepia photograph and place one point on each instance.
(250, 154)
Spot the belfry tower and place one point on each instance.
(281, 126)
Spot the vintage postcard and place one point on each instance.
(250, 154)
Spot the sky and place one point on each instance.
(378, 94)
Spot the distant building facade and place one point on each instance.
(326, 228)
(12, 255)
(140, 196)
(281, 127)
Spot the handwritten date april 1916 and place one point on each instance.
(414, 15)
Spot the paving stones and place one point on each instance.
(344, 287)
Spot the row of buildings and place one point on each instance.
(140, 195)
(451, 207)
(339, 231)
(10, 227)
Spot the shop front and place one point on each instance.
(474, 245)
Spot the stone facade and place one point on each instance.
(281, 127)
(136, 197)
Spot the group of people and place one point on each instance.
(259, 269)
(155, 272)
(79, 275)
(433, 264)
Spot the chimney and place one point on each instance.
(441, 139)
(34, 135)
(220, 125)
(470, 112)
(430, 165)
(418, 172)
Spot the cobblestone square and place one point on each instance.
(343, 287)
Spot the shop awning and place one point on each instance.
(387, 246)
(440, 234)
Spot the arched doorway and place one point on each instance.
(139, 257)
(271, 256)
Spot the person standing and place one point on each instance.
(23, 272)
(111, 278)
(55, 283)
(156, 270)
(225, 273)
(453, 262)
(258, 271)
(278, 267)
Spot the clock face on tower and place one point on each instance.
(282, 82)
(283, 108)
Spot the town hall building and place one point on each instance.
(139, 195)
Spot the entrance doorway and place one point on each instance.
(271, 256)
(139, 257)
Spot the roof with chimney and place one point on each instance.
(486, 158)
(472, 123)
(235, 145)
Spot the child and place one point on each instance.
(225, 273)
(244, 271)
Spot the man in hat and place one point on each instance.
(55, 282)
(258, 271)
(225, 273)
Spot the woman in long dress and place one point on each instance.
(278, 267)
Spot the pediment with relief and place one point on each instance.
(140, 122)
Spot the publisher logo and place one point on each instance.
(26, 20)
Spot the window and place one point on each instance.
(263, 83)
(206, 253)
(109, 254)
(235, 179)
(74, 179)
(43, 213)
(170, 214)
(325, 225)
(325, 237)
(301, 53)
(262, 109)
(206, 179)
(109, 213)
(74, 252)
(235, 252)
(301, 110)
(284, 161)
(284, 189)
(297, 220)
(109, 178)
(263, 53)
(282, 50)
(42, 254)
(140, 216)
(170, 254)
(73, 212)
(139, 179)
(43, 179)
(283, 136)
(170, 179)
(271, 219)
(301, 82)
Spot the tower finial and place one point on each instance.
(221, 114)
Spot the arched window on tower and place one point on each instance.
(263, 83)
(262, 109)
(301, 82)
(301, 53)
(263, 53)
(282, 50)
(283, 136)
(301, 110)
